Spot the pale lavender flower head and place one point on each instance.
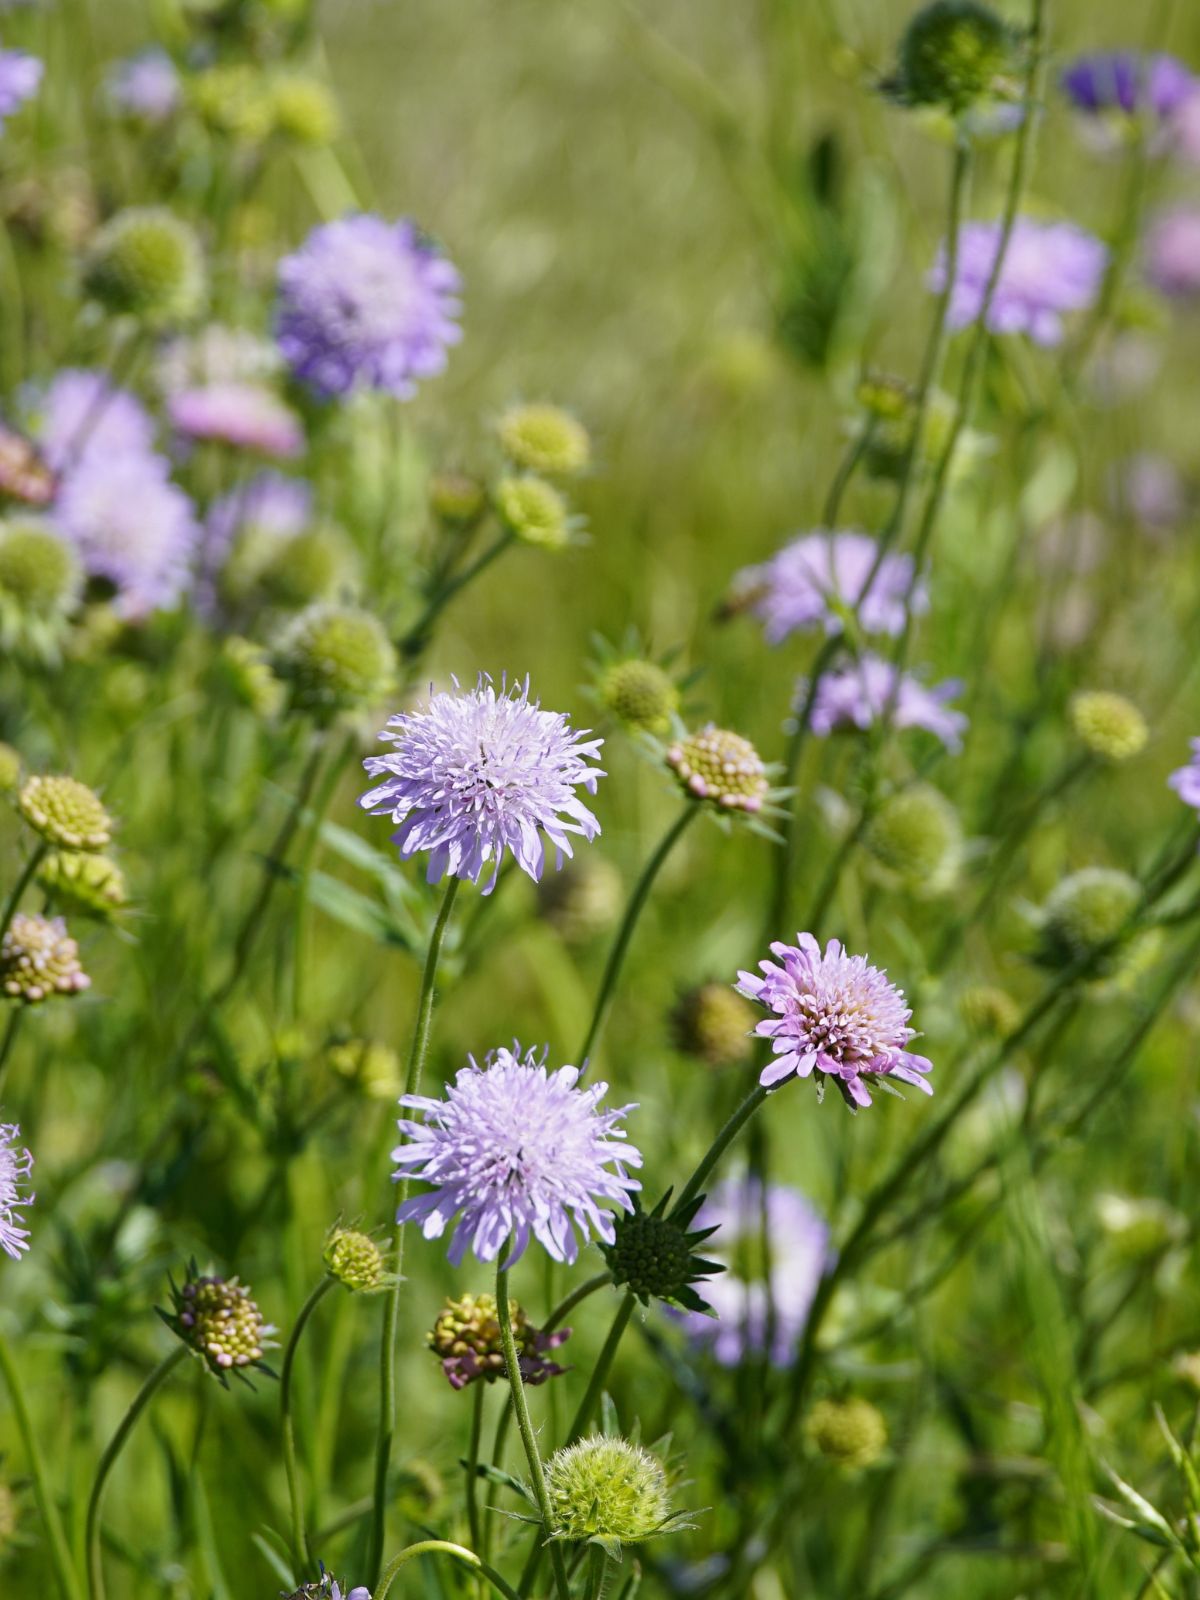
(1126, 80)
(20, 75)
(146, 87)
(834, 1015)
(478, 773)
(1186, 780)
(1049, 270)
(516, 1150)
(857, 695)
(802, 585)
(245, 415)
(15, 1193)
(1185, 128)
(132, 528)
(367, 304)
(1173, 252)
(82, 413)
(270, 503)
(775, 1304)
(1152, 489)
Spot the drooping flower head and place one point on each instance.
(367, 304)
(82, 413)
(834, 1015)
(1127, 81)
(478, 773)
(1186, 780)
(247, 416)
(1173, 252)
(1049, 270)
(146, 87)
(20, 75)
(759, 1301)
(466, 1340)
(516, 1150)
(15, 1194)
(813, 580)
(859, 693)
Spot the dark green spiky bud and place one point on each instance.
(653, 1255)
(850, 1434)
(335, 658)
(953, 54)
(534, 511)
(146, 263)
(640, 694)
(713, 1022)
(65, 812)
(544, 439)
(91, 884)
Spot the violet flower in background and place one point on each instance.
(1152, 489)
(1049, 271)
(1186, 780)
(516, 1150)
(1173, 252)
(367, 304)
(146, 87)
(244, 415)
(857, 695)
(1128, 81)
(20, 78)
(15, 1194)
(803, 585)
(81, 412)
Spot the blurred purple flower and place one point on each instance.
(796, 1241)
(802, 585)
(1126, 80)
(479, 773)
(146, 87)
(15, 1193)
(81, 412)
(1173, 252)
(835, 1015)
(516, 1150)
(269, 503)
(1186, 780)
(366, 303)
(856, 695)
(1151, 488)
(20, 75)
(1049, 269)
(245, 415)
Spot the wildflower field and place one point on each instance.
(599, 800)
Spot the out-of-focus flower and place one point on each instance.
(916, 837)
(1186, 780)
(713, 1023)
(955, 53)
(233, 100)
(850, 1434)
(721, 767)
(639, 693)
(20, 76)
(466, 1340)
(835, 1016)
(1140, 1225)
(1049, 271)
(146, 263)
(216, 354)
(1127, 81)
(477, 774)
(245, 415)
(39, 959)
(1173, 252)
(334, 659)
(247, 670)
(609, 1492)
(1151, 489)
(25, 474)
(514, 1150)
(256, 521)
(65, 812)
(1108, 725)
(15, 1194)
(367, 1065)
(1085, 912)
(40, 586)
(819, 577)
(989, 1010)
(534, 510)
(544, 439)
(457, 498)
(857, 695)
(83, 412)
(582, 900)
(760, 1301)
(218, 1320)
(1185, 128)
(303, 108)
(84, 882)
(10, 768)
(366, 303)
(146, 88)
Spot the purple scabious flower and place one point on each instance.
(1186, 780)
(479, 773)
(81, 412)
(132, 528)
(516, 1150)
(1173, 252)
(834, 1015)
(804, 585)
(270, 503)
(15, 1193)
(781, 1223)
(1049, 269)
(858, 694)
(146, 87)
(1128, 81)
(20, 75)
(367, 304)
(245, 415)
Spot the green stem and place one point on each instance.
(299, 1546)
(565, 1306)
(414, 641)
(10, 1034)
(443, 1547)
(720, 1144)
(473, 1521)
(525, 1426)
(60, 1555)
(22, 883)
(633, 911)
(391, 1315)
(143, 1397)
(304, 866)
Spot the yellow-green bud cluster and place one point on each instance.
(544, 439)
(368, 1065)
(1086, 911)
(713, 1022)
(607, 1489)
(335, 658)
(953, 54)
(534, 510)
(217, 1318)
(146, 263)
(248, 672)
(65, 812)
(39, 959)
(989, 1010)
(355, 1260)
(232, 99)
(456, 498)
(583, 899)
(38, 569)
(83, 881)
(850, 1434)
(640, 694)
(1108, 725)
(302, 108)
(722, 767)
(916, 836)
(10, 768)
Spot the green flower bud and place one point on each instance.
(456, 498)
(65, 812)
(38, 959)
(653, 1255)
(713, 1022)
(639, 694)
(1108, 725)
(544, 439)
(248, 673)
(850, 1434)
(233, 100)
(334, 659)
(303, 569)
(721, 767)
(368, 1065)
(355, 1260)
(146, 263)
(916, 836)
(10, 768)
(884, 397)
(583, 899)
(39, 572)
(91, 884)
(217, 1319)
(304, 110)
(1085, 912)
(534, 510)
(989, 1010)
(891, 439)
(607, 1490)
(954, 53)
(466, 1339)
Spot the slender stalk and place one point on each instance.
(391, 1315)
(525, 1426)
(304, 866)
(60, 1554)
(414, 641)
(430, 1547)
(473, 1521)
(720, 1144)
(22, 883)
(95, 1567)
(10, 1035)
(637, 900)
(565, 1306)
(299, 1546)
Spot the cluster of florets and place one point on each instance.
(65, 812)
(721, 767)
(533, 510)
(217, 1318)
(40, 580)
(356, 1261)
(849, 1434)
(466, 1340)
(610, 1492)
(544, 439)
(89, 883)
(1087, 916)
(654, 1256)
(1108, 725)
(246, 668)
(39, 959)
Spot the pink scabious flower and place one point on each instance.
(834, 1015)
(1186, 780)
(858, 694)
(804, 584)
(516, 1151)
(1173, 252)
(1049, 270)
(15, 1193)
(245, 415)
(477, 774)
